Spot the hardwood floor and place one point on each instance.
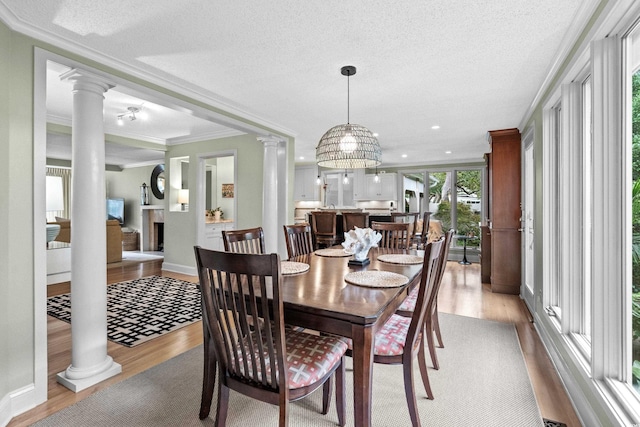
(461, 293)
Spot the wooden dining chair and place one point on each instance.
(270, 363)
(247, 241)
(395, 235)
(350, 220)
(432, 323)
(323, 226)
(411, 218)
(424, 234)
(298, 239)
(399, 340)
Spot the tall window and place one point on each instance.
(455, 199)
(585, 326)
(339, 189)
(552, 292)
(635, 226)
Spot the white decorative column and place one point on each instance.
(90, 363)
(270, 193)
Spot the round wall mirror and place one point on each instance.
(157, 182)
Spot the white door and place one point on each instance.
(528, 198)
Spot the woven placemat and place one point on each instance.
(401, 259)
(376, 279)
(332, 252)
(292, 267)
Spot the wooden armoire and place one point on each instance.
(504, 223)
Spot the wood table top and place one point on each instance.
(322, 289)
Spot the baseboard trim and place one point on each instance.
(178, 268)
(17, 402)
(580, 396)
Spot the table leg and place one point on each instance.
(362, 374)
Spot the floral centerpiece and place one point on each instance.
(358, 242)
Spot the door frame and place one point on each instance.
(527, 227)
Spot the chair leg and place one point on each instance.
(436, 328)
(223, 405)
(341, 395)
(428, 332)
(410, 392)
(422, 362)
(326, 395)
(208, 379)
(284, 414)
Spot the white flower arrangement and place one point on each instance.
(359, 240)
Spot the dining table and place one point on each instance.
(321, 299)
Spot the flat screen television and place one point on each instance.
(115, 209)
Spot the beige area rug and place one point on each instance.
(482, 381)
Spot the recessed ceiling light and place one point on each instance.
(447, 152)
(375, 134)
(435, 127)
(404, 156)
(301, 157)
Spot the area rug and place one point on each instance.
(141, 309)
(482, 381)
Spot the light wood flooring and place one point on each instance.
(461, 293)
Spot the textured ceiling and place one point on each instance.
(468, 67)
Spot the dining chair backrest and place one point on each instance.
(407, 217)
(247, 241)
(424, 234)
(395, 235)
(350, 220)
(426, 292)
(323, 226)
(298, 239)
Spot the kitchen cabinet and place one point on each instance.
(305, 186)
(359, 185)
(213, 234)
(384, 189)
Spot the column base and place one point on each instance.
(80, 384)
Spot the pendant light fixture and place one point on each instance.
(348, 146)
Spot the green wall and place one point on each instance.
(180, 227)
(16, 213)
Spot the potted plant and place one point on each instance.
(217, 213)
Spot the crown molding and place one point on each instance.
(204, 136)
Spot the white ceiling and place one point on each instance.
(468, 67)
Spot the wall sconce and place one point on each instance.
(183, 198)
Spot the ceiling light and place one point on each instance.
(348, 146)
(435, 127)
(404, 156)
(447, 152)
(130, 114)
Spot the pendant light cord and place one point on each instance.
(348, 75)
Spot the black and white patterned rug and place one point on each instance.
(141, 309)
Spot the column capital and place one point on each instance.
(87, 80)
(270, 140)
